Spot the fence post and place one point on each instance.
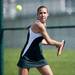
(1, 37)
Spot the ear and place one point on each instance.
(48, 14)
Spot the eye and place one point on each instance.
(40, 13)
(44, 12)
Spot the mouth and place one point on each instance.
(43, 18)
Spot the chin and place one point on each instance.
(44, 21)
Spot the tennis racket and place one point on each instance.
(60, 49)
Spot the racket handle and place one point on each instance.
(61, 48)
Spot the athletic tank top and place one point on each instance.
(32, 49)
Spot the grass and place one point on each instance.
(61, 65)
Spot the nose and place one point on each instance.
(42, 14)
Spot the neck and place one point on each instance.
(44, 23)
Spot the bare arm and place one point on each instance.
(48, 39)
(44, 42)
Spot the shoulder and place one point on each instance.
(40, 26)
(37, 26)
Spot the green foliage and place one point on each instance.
(61, 65)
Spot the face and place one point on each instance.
(42, 14)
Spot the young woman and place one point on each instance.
(31, 55)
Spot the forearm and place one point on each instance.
(54, 43)
(44, 42)
(51, 42)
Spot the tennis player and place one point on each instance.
(31, 55)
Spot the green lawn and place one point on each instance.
(61, 65)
